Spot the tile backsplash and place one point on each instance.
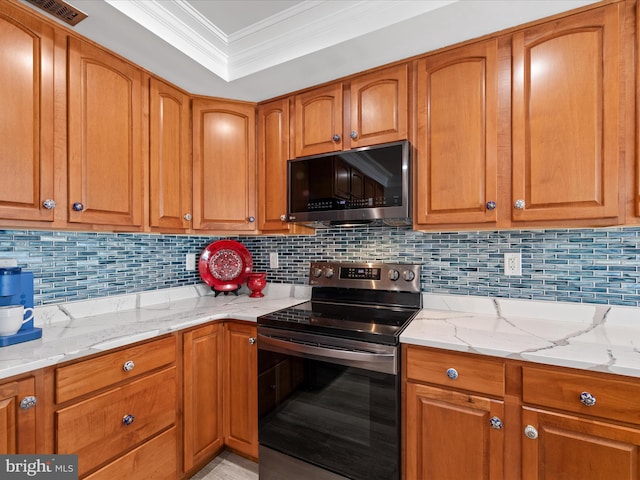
(582, 265)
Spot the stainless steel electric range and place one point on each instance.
(329, 384)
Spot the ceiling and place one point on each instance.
(258, 49)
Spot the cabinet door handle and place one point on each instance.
(491, 205)
(335, 138)
(252, 340)
(587, 399)
(251, 219)
(284, 217)
(519, 204)
(495, 423)
(530, 432)
(49, 204)
(353, 134)
(187, 217)
(128, 365)
(28, 402)
(452, 373)
(128, 419)
(78, 207)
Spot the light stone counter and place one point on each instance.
(591, 337)
(77, 329)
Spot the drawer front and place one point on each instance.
(154, 460)
(614, 399)
(90, 375)
(474, 373)
(95, 428)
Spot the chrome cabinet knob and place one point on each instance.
(128, 419)
(491, 205)
(495, 423)
(519, 204)
(531, 432)
(251, 219)
(353, 134)
(28, 402)
(78, 207)
(587, 399)
(252, 340)
(128, 366)
(188, 217)
(335, 138)
(49, 204)
(284, 217)
(452, 373)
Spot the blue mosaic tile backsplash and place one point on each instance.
(584, 265)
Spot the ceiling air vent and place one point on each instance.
(61, 10)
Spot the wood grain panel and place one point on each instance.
(318, 117)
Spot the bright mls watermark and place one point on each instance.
(50, 467)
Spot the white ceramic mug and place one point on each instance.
(12, 317)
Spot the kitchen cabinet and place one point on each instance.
(241, 388)
(579, 425)
(567, 120)
(378, 109)
(105, 135)
(169, 158)
(26, 128)
(456, 171)
(202, 394)
(118, 410)
(18, 403)
(453, 415)
(224, 165)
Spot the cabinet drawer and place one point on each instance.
(473, 373)
(155, 460)
(90, 375)
(94, 429)
(614, 399)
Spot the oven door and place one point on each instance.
(329, 408)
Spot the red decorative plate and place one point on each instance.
(224, 265)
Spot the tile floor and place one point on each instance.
(228, 466)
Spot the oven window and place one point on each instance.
(343, 419)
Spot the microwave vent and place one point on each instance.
(61, 10)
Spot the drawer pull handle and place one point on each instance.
(587, 399)
(28, 402)
(452, 373)
(128, 419)
(495, 423)
(128, 365)
(531, 432)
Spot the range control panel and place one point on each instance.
(372, 276)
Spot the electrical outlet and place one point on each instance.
(190, 262)
(513, 263)
(273, 260)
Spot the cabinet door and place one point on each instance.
(26, 125)
(318, 121)
(169, 161)
(566, 119)
(449, 435)
(456, 171)
(105, 138)
(241, 388)
(17, 422)
(202, 377)
(273, 153)
(379, 107)
(224, 165)
(568, 446)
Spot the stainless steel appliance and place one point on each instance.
(329, 383)
(356, 186)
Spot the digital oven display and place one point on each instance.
(357, 273)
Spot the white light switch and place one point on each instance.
(273, 260)
(190, 262)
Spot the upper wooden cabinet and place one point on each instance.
(456, 172)
(26, 127)
(105, 171)
(169, 157)
(378, 106)
(224, 165)
(566, 118)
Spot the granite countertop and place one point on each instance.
(591, 337)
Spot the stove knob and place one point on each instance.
(408, 275)
(317, 272)
(394, 275)
(328, 272)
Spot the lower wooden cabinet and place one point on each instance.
(18, 416)
(241, 388)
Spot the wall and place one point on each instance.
(585, 265)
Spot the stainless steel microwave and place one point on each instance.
(355, 186)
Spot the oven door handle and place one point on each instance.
(381, 362)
